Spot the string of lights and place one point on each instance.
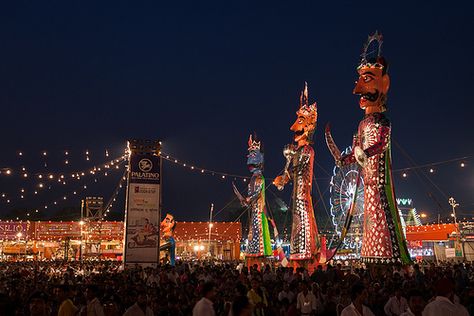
(193, 167)
(57, 201)
(42, 186)
(431, 167)
(117, 190)
(62, 176)
(66, 152)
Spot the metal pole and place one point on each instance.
(210, 226)
(453, 204)
(160, 205)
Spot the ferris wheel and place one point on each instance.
(343, 188)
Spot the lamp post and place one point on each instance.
(453, 204)
(210, 227)
(81, 224)
(19, 235)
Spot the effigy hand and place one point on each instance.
(280, 182)
(360, 156)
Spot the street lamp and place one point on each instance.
(81, 223)
(210, 227)
(19, 235)
(453, 204)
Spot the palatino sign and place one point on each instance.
(142, 214)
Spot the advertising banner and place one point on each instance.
(13, 230)
(142, 214)
(450, 253)
(57, 230)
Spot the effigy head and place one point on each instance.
(255, 155)
(305, 123)
(373, 82)
(168, 224)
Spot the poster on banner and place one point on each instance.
(450, 253)
(143, 203)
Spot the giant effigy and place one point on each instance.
(305, 242)
(259, 244)
(382, 240)
(168, 226)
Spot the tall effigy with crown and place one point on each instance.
(383, 240)
(305, 243)
(259, 244)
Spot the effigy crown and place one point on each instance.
(308, 111)
(253, 144)
(371, 56)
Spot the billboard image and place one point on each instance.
(143, 203)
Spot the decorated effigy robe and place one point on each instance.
(304, 232)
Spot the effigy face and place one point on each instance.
(305, 123)
(255, 155)
(372, 86)
(167, 225)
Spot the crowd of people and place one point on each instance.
(202, 289)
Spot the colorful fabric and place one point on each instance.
(304, 232)
(383, 240)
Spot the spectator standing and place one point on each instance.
(140, 308)
(359, 297)
(443, 304)
(66, 306)
(396, 305)
(306, 301)
(286, 293)
(416, 304)
(205, 307)
(241, 306)
(258, 298)
(38, 304)
(94, 307)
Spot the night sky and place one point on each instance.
(200, 77)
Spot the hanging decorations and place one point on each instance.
(46, 182)
(114, 196)
(63, 176)
(192, 167)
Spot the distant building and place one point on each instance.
(59, 240)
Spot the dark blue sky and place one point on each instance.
(202, 76)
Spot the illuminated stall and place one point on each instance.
(193, 242)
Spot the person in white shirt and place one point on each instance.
(305, 301)
(205, 306)
(416, 304)
(140, 308)
(94, 307)
(286, 293)
(153, 278)
(359, 296)
(443, 304)
(396, 304)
